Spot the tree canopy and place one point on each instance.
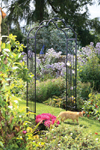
(74, 12)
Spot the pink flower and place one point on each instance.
(47, 118)
(38, 116)
(24, 131)
(38, 120)
(54, 120)
(47, 123)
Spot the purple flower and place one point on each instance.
(23, 53)
(91, 43)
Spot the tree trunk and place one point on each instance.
(39, 10)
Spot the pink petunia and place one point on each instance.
(38, 120)
(45, 117)
(47, 123)
(38, 116)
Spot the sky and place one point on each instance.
(94, 11)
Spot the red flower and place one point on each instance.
(96, 106)
(96, 133)
(88, 115)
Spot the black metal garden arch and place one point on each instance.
(70, 62)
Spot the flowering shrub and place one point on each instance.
(49, 65)
(46, 119)
(92, 106)
(89, 67)
(88, 52)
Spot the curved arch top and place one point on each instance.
(47, 24)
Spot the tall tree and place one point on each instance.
(38, 10)
(70, 10)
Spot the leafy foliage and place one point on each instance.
(64, 137)
(92, 106)
(13, 128)
(46, 89)
(89, 67)
(50, 36)
(71, 11)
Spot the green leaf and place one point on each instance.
(2, 45)
(1, 144)
(8, 46)
(0, 98)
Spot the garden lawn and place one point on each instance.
(90, 125)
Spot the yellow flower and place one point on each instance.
(36, 137)
(29, 129)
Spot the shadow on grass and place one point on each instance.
(75, 124)
(70, 123)
(91, 121)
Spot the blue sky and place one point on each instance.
(94, 11)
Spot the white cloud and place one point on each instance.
(94, 11)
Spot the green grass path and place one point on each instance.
(90, 125)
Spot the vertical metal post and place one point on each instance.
(35, 76)
(75, 72)
(27, 83)
(66, 69)
(0, 28)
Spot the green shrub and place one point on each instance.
(55, 101)
(46, 89)
(60, 101)
(83, 90)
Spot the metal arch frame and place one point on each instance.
(67, 39)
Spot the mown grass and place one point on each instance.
(90, 125)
